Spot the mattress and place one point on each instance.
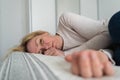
(26, 66)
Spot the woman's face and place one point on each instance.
(41, 43)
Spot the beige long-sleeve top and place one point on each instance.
(79, 33)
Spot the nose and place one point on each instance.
(44, 48)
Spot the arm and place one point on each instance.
(79, 33)
(99, 41)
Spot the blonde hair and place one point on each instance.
(22, 47)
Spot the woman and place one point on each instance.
(75, 34)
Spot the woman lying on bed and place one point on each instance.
(77, 35)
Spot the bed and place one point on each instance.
(25, 66)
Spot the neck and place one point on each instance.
(59, 40)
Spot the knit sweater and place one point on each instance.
(79, 33)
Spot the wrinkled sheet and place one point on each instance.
(26, 66)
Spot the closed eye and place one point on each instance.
(41, 41)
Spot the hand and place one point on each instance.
(90, 63)
(54, 52)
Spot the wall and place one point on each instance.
(43, 15)
(13, 23)
(89, 8)
(83, 7)
(107, 8)
(0, 26)
(67, 6)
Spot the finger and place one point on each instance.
(102, 56)
(75, 67)
(96, 65)
(108, 69)
(47, 52)
(84, 65)
(51, 52)
(107, 66)
(54, 52)
(68, 57)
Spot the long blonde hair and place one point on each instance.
(26, 39)
(22, 46)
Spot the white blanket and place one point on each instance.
(26, 66)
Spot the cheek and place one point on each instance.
(29, 48)
(48, 39)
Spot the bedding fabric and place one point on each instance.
(26, 66)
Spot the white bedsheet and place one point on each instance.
(25, 66)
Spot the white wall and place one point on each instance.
(89, 8)
(13, 23)
(83, 7)
(43, 15)
(67, 6)
(0, 27)
(107, 8)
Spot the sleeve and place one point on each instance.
(79, 32)
(109, 54)
(93, 43)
